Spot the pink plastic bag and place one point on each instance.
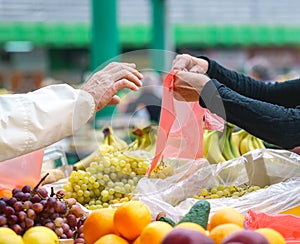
(286, 224)
(180, 130)
(25, 169)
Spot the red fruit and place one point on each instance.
(186, 236)
(245, 237)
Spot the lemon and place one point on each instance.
(6, 231)
(40, 235)
(10, 239)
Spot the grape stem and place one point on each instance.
(40, 182)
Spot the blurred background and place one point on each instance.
(64, 39)
(45, 42)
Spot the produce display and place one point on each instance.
(131, 223)
(110, 174)
(105, 182)
(31, 207)
(229, 144)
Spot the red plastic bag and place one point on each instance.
(287, 224)
(25, 169)
(180, 130)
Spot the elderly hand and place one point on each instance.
(188, 86)
(189, 63)
(105, 84)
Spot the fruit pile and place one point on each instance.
(229, 144)
(36, 235)
(29, 207)
(131, 223)
(225, 191)
(110, 174)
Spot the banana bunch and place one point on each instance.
(142, 148)
(229, 144)
(110, 143)
(145, 139)
(247, 142)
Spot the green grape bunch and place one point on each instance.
(110, 180)
(226, 191)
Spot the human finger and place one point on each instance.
(115, 100)
(132, 70)
(115, 67)
(181, 62)
(128, 75)
(112, 65)
(124, 83)
(197, 69)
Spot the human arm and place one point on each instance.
(37, 119)
(273, 123)
(274, 93)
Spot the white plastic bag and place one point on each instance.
(279, 169)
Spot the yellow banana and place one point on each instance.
(246, 144)
(211, 149)
(226, 144)
(236, 138)
(251, 143)
(258, 142)
(111, 139)
(149, 139)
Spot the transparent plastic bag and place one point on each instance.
(174, 195)
(25, 169)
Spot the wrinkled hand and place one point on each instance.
(105, 84)
(189, 63)
(188, 86)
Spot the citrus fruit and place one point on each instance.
(137, 241)
(98, 223)
(11, 239)
(191, 226)
(131, 218)
(155, 232)
(273, 236)
(225, 216)
(218, 233)
(40, 235)
(6, 231)
(5, 193)
(111, 239)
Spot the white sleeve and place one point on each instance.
(37, 119)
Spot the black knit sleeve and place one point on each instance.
(281, 93)
(273, 123)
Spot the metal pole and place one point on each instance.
(104, 38)
(158, 41)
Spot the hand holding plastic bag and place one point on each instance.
(180, 131)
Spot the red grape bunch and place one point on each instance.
(36, 207)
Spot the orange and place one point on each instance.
(111, 239)
(136, 241)
(273, 236)
(225, 216)
(218, 233)
(5, 193)
(191, 226)
(98, 223)
(131, 218)
(155, 232)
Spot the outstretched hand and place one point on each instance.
(104, 84)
